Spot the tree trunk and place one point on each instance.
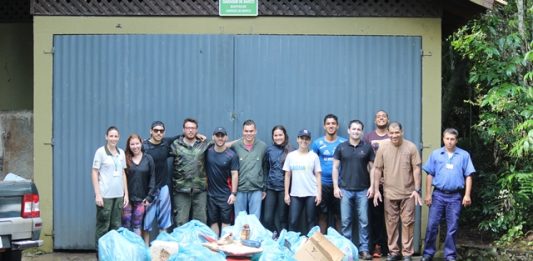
(521, 25)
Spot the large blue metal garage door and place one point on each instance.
(127, 81)
(297, 80)
(131, 80)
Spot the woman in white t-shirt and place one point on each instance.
(302, 175)
(109, 184)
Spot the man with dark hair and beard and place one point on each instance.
(376, 216)
(158, 146)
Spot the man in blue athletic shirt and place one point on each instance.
(324, 147)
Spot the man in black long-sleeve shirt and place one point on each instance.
(159, 147)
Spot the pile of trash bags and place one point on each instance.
(192, 240)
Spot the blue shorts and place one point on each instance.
(160, 209)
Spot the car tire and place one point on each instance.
(11, 255)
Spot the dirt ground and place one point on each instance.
(82, 256)
(61, 256)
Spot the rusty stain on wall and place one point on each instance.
(16, 143)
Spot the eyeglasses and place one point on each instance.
(158, 130)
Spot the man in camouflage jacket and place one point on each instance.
(189, 176)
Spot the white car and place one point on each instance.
(20, 217)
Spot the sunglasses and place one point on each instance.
(158, 130)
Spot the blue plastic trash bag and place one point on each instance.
(346, 246)
(290, 240)
(196, 252)
(165, 236)
(190, 233)
(283, 248)
(122, 245)
(190, 237)
(257, 231)
(273, 251)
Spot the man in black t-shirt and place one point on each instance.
(159, 147)
(222, 165)
(353, 184)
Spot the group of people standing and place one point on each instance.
(373, 178)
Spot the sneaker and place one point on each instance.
(377, 251)
(426, 258)
(365, 256)
(394, 258)
(275, 235)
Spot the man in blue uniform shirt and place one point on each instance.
(449, 171)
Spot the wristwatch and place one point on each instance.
(234, 193)
(419, 191)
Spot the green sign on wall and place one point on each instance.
(237, 7)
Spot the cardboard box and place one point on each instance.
(319, 248)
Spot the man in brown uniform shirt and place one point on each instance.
(399, 162)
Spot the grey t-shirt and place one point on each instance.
(110, 170)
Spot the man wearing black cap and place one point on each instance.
(159, 147)
(221, 164)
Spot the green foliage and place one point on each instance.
(510, 204)
(500, 75)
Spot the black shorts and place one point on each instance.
(218, 210)
(329, 204)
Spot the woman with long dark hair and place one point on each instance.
(275, 211)
(141, 185)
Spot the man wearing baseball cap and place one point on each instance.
(302, 182)
(222, 165)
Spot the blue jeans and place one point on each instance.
(348, 200)
(249, 202)
(449, 206)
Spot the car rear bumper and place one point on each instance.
(20, 245)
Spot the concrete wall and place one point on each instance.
(46, 27)
(16, 66)
(16, 143)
